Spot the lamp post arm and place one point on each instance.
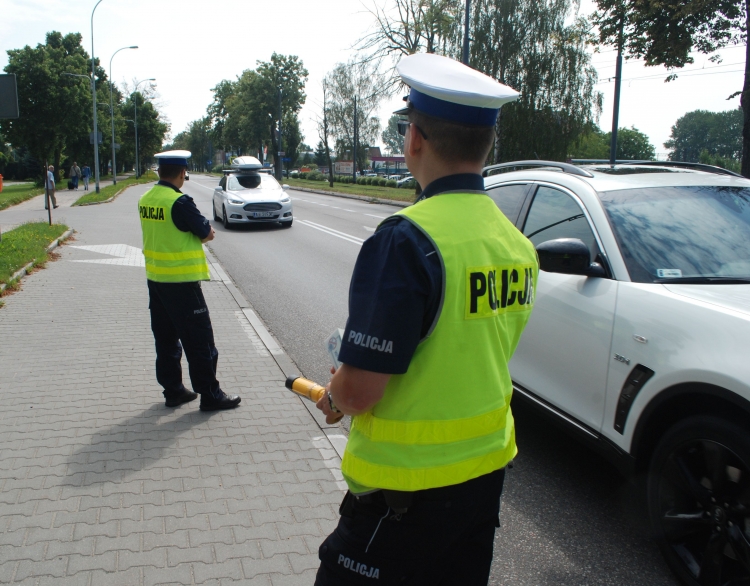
(112, 112)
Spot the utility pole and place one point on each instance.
(93, 98)
(278, 154)
(465, 51)
(618, 84)
(354, 147)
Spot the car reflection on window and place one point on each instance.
(692, 231)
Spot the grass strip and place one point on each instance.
(112, 190)
(14, 194)
(392, 193)
(24, 244)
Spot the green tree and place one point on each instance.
(55, 110)
(291, 139)
(716, 133)
(529, 45)
(393, 141)
(151, 131)
(345, 84)
(666, 32)
(320, 158)
(538, 53)
(632, 145)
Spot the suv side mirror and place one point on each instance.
(569, 256)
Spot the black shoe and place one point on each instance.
(55, 207)
(219, 402)
(177, 399)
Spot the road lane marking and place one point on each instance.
(374, 216)
(369, 229)
(199, 185)
(332, 232)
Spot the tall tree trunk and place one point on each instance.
(745, 102)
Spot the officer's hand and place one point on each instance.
(325, 406)
(210, 236)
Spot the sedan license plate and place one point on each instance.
(263, 214)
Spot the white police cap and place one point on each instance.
(173, 157)
(449, 90)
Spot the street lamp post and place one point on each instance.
(93, 101)
(135, 123)
(112, 112)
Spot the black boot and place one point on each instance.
(218, 400)
(177, 398)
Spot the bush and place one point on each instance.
(303, 175)
(294, 175)
(382, 181)
(391, 183)
(361, 181)
(217, 168)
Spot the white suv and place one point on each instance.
(640, 335)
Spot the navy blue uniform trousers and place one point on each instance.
(179, 319)
(445, 538)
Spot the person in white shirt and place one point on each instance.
(51, 187)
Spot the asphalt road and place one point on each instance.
(567, 517)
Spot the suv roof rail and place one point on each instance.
(564, 167)
(696, 166)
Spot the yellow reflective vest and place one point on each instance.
(172, 256)
(448, 419)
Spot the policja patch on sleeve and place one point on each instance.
(492, 290)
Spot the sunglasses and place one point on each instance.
(403, 126)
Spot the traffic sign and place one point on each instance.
(209, 162)
(282, 153)
(117, 146)
(91, 137)
(286, 159)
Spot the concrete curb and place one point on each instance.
(332, 432)
(393, 202)
(24, 271)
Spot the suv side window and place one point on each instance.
(223, 183)
(554, 214)
(509, 198)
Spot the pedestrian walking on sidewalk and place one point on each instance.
(173, 233)
(75, 175)
(439, 296)
(86, 175)
(51, 188)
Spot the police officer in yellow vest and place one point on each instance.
(438, 299)
(173, 235)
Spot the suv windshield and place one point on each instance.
(238, 182)
(682, 234)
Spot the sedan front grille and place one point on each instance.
(262, 207)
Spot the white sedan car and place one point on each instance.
(639, 338)
(251, 198)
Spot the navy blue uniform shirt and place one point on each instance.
(395, 292)
(186, 216)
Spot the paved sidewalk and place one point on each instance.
(100, 483)
(32, 210)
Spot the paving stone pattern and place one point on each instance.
(100, 483)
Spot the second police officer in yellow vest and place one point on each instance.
(173, 235)
(438, 300)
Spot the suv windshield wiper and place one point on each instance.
(705, 281)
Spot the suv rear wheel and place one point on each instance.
(699, 501)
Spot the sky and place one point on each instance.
(190, 46)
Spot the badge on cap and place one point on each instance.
(449, 90)
(173, 158)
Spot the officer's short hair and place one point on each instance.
(170, 171)
(452, 141)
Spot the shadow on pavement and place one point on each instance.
(131, 445)
(568, 516)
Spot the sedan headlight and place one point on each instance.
(236, 201)
(285, 200)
